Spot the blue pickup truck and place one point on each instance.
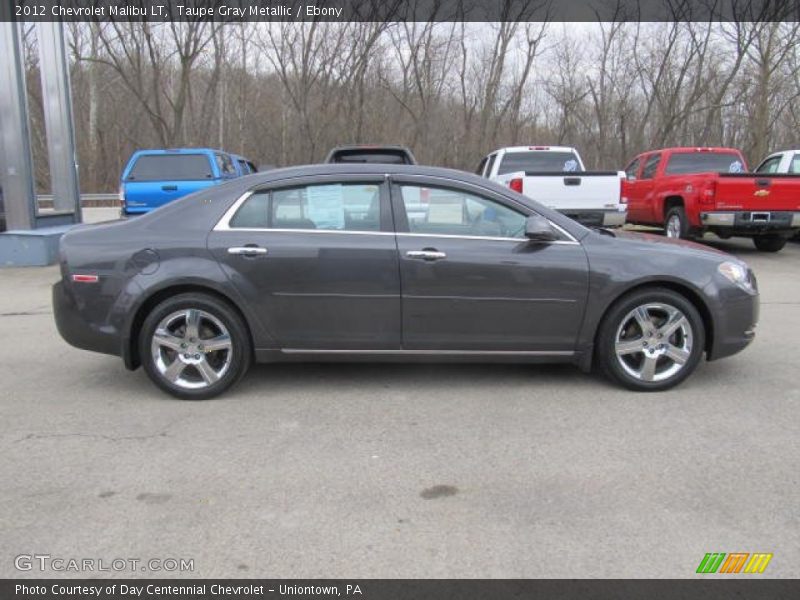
(153, 178)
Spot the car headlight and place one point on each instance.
(738, 273)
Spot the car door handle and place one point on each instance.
(169, 188)
(426, 254)
(247, 250)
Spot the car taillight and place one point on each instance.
(707, 196)
(516, 184)
(85, 278)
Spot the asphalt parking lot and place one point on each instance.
(364, 471)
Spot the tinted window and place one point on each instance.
(161, 167)
(704, 162)
(650, 166)
(538, 162)
(770, 165)
(632, 169)
(479, 170)
(243, 167)
(392, 157)
(225, 164)
(353, 207)
(452, 212)
(253, 213)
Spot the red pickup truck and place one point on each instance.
(689, 191)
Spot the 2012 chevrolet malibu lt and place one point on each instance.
(391, 262)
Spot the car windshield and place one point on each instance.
(539, 162)
(704, 162)
(161, 167)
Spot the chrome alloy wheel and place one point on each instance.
(191, 349)
(653, 342)
(674, 227)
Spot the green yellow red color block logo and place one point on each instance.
(735, 562)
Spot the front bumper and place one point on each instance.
(599, 218)
(76, 329)
(751, 222)
(735, 325)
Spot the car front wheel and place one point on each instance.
(651, 340)
(194, 346)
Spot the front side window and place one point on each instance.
(443, 211)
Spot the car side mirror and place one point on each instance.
(538, 228)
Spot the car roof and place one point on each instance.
(179, 151)
(364, 169)
(536, 148)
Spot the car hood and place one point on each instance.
(659, 243)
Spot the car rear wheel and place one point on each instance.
(769, 243)
(194, 346)
(651, 340)
(677, 225)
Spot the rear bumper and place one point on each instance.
(598, 218)
(751, 222)
(76, 329)
(735, 326)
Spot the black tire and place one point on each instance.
(606, 341)
(239, 354)
(684, 230)
(769, 242)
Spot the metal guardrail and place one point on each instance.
(104, 199)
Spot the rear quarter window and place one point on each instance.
(166, 167)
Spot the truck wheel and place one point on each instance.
(650, 340)
(769, 243)
(677, 225)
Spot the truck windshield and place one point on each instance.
(704, 162)
(161, 167)
(539, 162)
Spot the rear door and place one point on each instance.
(641, 191)
(317, 260)
(472, 282)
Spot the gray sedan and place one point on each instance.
(391, 262)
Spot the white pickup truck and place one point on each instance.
(555, 176)
(783, 162)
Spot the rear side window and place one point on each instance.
(650, 166)
(794, 167)
(253, 213)
(161, 167)
(682, 163)
(338, 207)
(479, 170)
(539, 162)
(770, 165)
(225, 164)
(632, 169)
(244, 168)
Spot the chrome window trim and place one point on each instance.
(224, 225)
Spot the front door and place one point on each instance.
(472, 281)
(318, 261)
